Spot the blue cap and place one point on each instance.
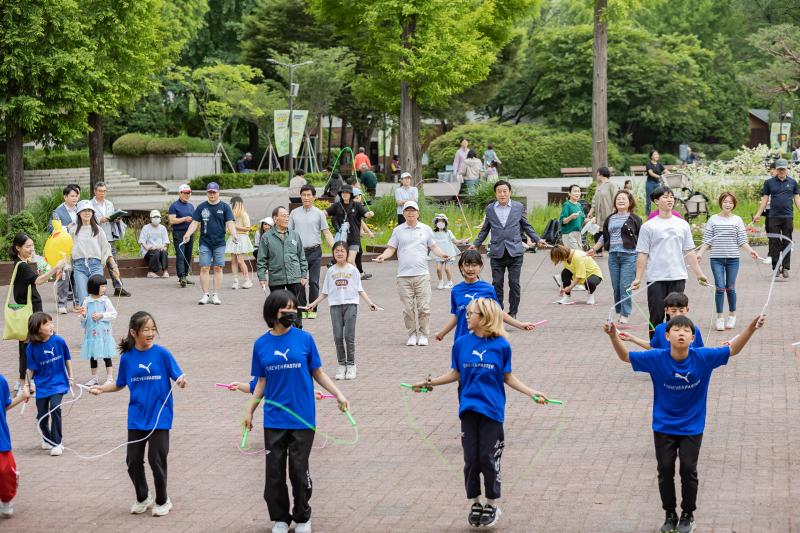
(213, 186)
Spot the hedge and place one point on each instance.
(138, 144)
(40, 159)
(727, 155)
(527, 151)
(229, 180)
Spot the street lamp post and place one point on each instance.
(291, 67)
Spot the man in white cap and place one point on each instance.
(404, 193)
(114, 230)
(153, 242)
(411, 240)
(213, 217)
(180, 216)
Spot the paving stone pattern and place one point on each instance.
(586, 466)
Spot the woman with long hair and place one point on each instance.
(90, 250)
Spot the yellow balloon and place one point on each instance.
(58, 245)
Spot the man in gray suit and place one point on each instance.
(507, 222)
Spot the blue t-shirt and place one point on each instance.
(482, 364)
(781, 194)
(148, 376)
(47, 360)
(680, 388)
(460, 297)
(660, 342)
(180, 210)
(212, 219)
(287, 362)
(5, 401)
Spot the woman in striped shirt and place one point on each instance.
(724, 234)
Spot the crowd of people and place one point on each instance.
(651, 255)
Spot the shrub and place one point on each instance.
(42, 207)
(710, 151)
(41, 159)
(137, 144)
(727, 155)
(131, 144)
(226, 181)
(22, 222)
(669, 159)
(279, 177)
(526, 151)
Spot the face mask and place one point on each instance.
(441, 225)
(287, 319)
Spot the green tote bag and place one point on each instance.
(16, 315)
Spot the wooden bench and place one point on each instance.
(577, 172)
(559, 198)
(640, 170)
(442, 191)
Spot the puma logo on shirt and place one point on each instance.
(479, 354)
(51, 351)
(684, 378)
(146, 367)
(282, 354)
(470, 296)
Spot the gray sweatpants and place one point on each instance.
(343, 320)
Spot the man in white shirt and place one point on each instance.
(663, 242)
(103, 209)
(411, 240)
(309, 221)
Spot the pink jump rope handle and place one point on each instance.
(539, 323)
(228, 386)
(326, 396)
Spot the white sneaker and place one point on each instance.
(46, 445)
(62, 310)
(341, 372)
(449, 285)
(304, 527)
(57, 450)
(247, 284)
(580, 287)
(590, 300)
(235, 285)
(412, 340)
(152, 275)
(165, 274)
(280, 527)
(730, 322)
(162, 510)
(91, 383)
(141, 507)
(109, 379)
(565, 299)
(215, 299)
(350, 374)
(720, 324)
(623, 319)
(441, 284)
(422, 340)
(205, 299)
(7, 509)
(17, 387)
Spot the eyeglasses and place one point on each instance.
(470, 313)
(186, 192)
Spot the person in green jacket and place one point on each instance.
(281, 258)
(572, 218)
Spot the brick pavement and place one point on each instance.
(588, 466)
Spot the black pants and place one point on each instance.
(106, 361)
(359, 255)
(157, 451)
(156, 260)
(483, 441)
(781, 226)
(117, 284)
(590, 283)
(656, 292)
(299, 292)
(313, 258)
(687, 448)
(23, 360)
(514, 266)
(293, 445)
(183, 253)
(50, 425)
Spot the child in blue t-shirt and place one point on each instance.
(681, 375)
(285, 361)
(481, 362)
(148, 370)
(48, 361)
(675, 304)
(470, 264)
(8, 468)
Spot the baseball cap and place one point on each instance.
(83, 205)
(268, 220)
(183, 187)
(404, 174)
(411, 204)
(346, 188)
(213, 186)
(781, 163)
(357, 191)
(155, 213)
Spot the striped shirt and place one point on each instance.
(724, 235)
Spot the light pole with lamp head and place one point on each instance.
(291, 67)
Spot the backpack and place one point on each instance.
(552, 231)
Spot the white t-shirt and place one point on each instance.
(665, 240)
(410, 194)
(412, 248)
(342, 285)
(153, 236)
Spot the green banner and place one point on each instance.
(299, 118)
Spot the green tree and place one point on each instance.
(46, 72)
(781, 74)
(421, 52)
(218, 37)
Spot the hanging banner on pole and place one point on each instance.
(281, 122)
(779, 136)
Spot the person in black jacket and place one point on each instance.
(619, 236)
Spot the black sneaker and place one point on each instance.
(182, 282)
(670, 523)
(785, 272)
(475, 513)
(120, 291)
(490, 515)
(686, 523)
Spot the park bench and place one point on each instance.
(579, 172)
(560, 197)
(639, 170)
(441, 191)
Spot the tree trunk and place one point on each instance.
(409, 115)
(96, 162)
(319, 142)
(330, 140)
(15, 189)
(600, 88)
(253, 140)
